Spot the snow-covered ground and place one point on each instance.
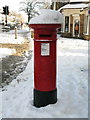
(5, 52)
(72, 86)
(9, 37)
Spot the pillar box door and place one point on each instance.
(45, 90)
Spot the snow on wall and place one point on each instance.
(48, 16)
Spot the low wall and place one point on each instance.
(66, 34)
(69, 35)
(86, 37)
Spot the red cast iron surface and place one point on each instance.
(44, 66)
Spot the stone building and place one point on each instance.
(56, 5)
(76, 20)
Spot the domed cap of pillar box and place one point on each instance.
(48, 16)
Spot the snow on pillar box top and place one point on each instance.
(48, 16)
(47, 20)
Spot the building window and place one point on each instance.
(66, 23)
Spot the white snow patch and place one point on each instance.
(48, 16)
(20, 31)
(10, 38)
(6, 51)
(72, 86)
(0, 105)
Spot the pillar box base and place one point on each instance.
(43, 98)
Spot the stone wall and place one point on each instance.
(58, 5)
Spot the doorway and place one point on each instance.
(76, 28)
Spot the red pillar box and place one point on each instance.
(45, 90)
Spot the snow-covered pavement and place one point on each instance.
(5, 52)
(8, 38)
(72, 86)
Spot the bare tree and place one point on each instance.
(31, 8)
